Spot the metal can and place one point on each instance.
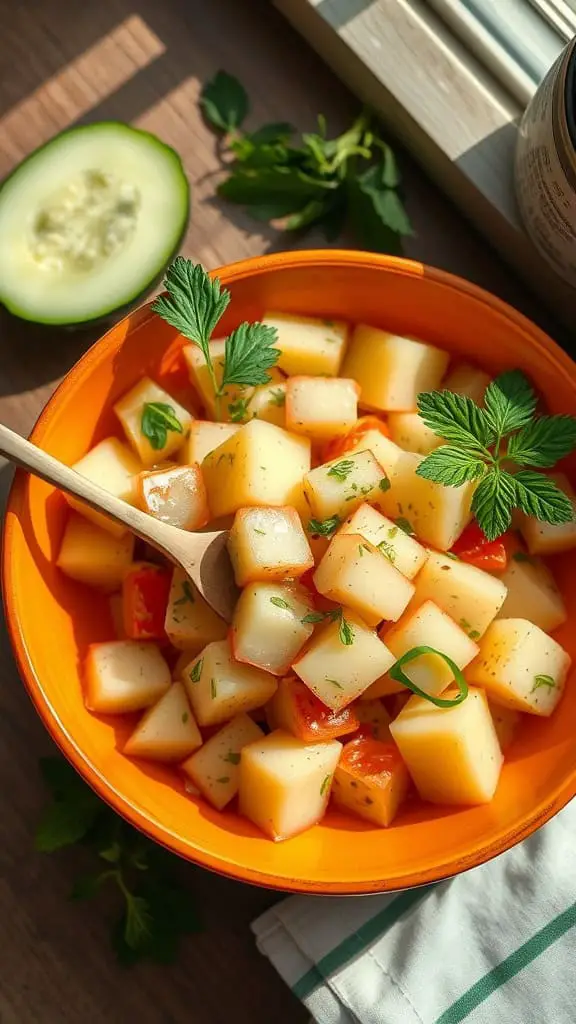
(545, 171)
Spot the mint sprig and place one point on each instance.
(482, 442)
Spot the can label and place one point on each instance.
(545, 176)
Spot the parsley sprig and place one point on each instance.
(194, 304)
(345, 630)
(156, 911)
(481, 442)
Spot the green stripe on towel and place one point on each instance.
(357, 942)
(506, 970)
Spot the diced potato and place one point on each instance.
(219, 687)
(469, 595)
(545, 539)
(408, 430)
(260, 465)
(467, 380)
(371, 780)
(268, 403)
(373, 714)
(308, 345)
(452, 754)
(190, 621)
(385, 686)
(341, 486)
(285, 783)
(114, 467)
(339, 672)
(532, 593)
(124, 675)
(356, 574)
(94, 556)
(391, 370)
(131, 409)
(215, 768)
(403, 551)
(299, 711)
(437, 514)
(321, 407)
(167, 732)
(506, 722)
(202, 382)
(176, 496)
(269, 627)
(383, 449)
(428, 626)
(203, 438)
(520, 666)
(268, 544)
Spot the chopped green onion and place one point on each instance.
(397, 673)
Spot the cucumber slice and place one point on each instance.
(88, 223)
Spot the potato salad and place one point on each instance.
(394, 520)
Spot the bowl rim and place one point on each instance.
(453, 865)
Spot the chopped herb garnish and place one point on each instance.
(397, 673)
(157, 419)
(346, 633)
(213, 688)
(384, 484)
(392, 532)
(232, 756)
(323, 527)
(547, 681)
(406, 526)
(196, 671)
(450, 554)
(328, 323)
(185, 717)
(277, 397)
(223, 779)
(465, 625)
(341, 470)
(187, 594)
(261, 532)
(521, 556)
(325, 784)
(238, 409)
(474, 634)
(314, 617)
(280, 603)
(334, 682)
(387, 550)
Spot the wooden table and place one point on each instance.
(145, 60)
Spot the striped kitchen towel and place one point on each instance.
(496, 945)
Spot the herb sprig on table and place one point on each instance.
(487, 444)
(156, 911)
(351, 181)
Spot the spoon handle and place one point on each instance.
(17, 449)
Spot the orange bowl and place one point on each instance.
(51, 619)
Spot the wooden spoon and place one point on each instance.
(203, 555)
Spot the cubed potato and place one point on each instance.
(405, 553)
(321, 407)
(532, 593)
(190, 621)
(124, 675)
(268, 403)
(339, 672)
(219, 687)
(297, 710)
(373, 715)
(268, 544)
(260, 465)
(269, 627)
(371, 781)
(134, 409)
(285, 783)
(428, 626)
(391, 370)
(452, 754)
(520, 666)
(356, 574)
(114, 467)
(506, 722)
(308, 345)
(383, 449)
(469, 595)
(94, 556)
(435, 513)
(385, 686)
(215, 768)
(545, 539)
(175, 496)
(467, 380)
(408, 431)
(167, 732)
(204, 436)
(341, 486)
(202, 382)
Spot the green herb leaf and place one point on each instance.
(238, 409)
(138, 921)
(280, 603)
(323, 527)
(543, 680)
(345, 633)
(187, 594)
(543, 442)
(522, 556)
(194, 304)
(325, 784)
(277, 397)
(66, 822)
(393, 531)
(387, 550)
(493, 501)
(334, 682)
(311, 213)
(366, 222)
(223, 779)
(457, 419)
(213, 689)
(405, 525)
(279, 131)
(537, 495)
(386, 203)
(341, 470)
(196, 671)
(451, 466)
(86, 887)
(157, 419)
(280, 184)
(397, 673)
(509, 402)
(224, 102)
(314, 617)
(249, 354)
(232, 756)
(384, 484)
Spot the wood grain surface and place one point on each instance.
(61, 63)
